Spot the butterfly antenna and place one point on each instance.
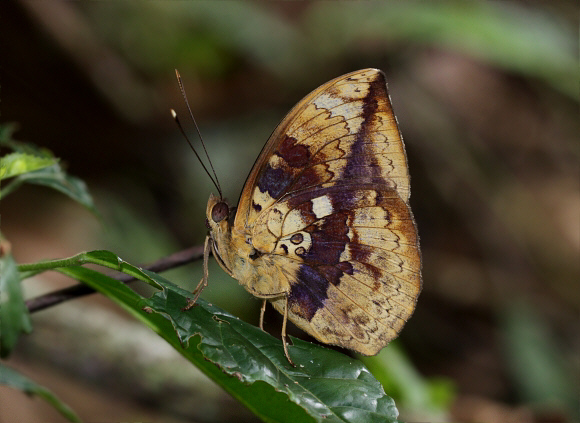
(174, 115)
(215, 178)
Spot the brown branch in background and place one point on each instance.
(66, 294)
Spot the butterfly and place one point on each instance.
(323, 228)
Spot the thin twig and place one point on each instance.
(66, 294)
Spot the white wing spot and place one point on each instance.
(321, 206)
(327, 101)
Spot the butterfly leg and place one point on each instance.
(262, 311)
(203, 283)
(284, 343)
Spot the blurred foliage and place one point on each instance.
(25, 164)
(505, 35)
(30, 164)
(536, 362)
(420, 399)
(18, 163)
(14, 317)
(10, 377)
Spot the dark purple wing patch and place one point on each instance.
(360, 164)
(274, 181)
(309, 295)
(295, 155)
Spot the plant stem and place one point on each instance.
(62, 295)
(40, 266)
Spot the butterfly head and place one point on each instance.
(217, 221)
(217, 213)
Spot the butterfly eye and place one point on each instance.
(220, 211)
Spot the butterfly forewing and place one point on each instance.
(347, 121)
(326, 207)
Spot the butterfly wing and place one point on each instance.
(348, 120)
(328, 201)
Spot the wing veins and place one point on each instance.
(359, 306)
(324, 109)
(389, 260)
(369, 274)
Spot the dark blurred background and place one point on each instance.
(486, 95)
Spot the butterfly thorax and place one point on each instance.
(259, 273)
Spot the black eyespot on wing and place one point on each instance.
(220, 212)
(297, 238)
(300, 251)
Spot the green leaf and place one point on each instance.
(55, 177)
(14, 317)
(326, 386)
(18, 163)
(34, 165)
(12, 378)
(6, 140)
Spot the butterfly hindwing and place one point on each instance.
(358, 277)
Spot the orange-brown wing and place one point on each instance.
(327, 206)
(343, 130)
